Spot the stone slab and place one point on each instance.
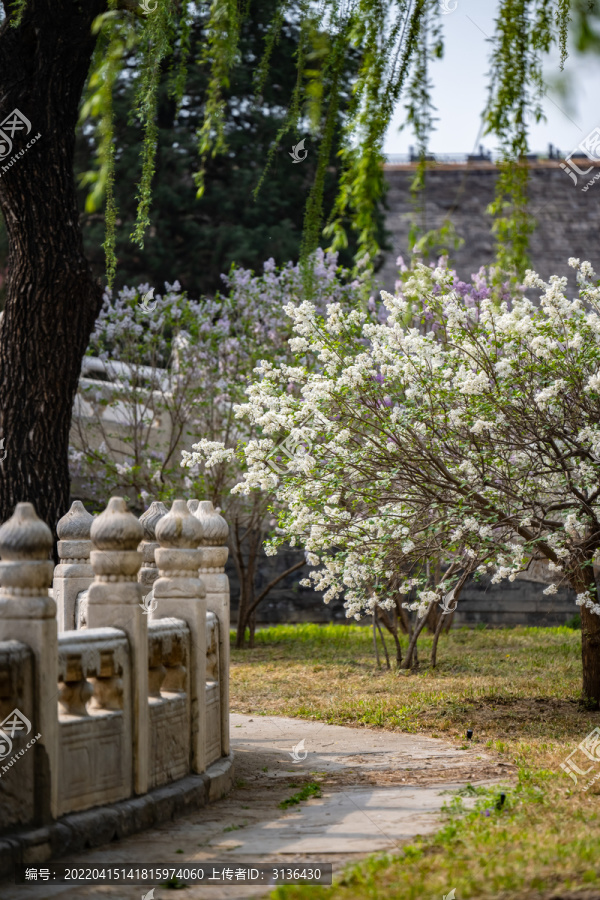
(357, 820)
(336, 748)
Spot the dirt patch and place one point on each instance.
(494, 772)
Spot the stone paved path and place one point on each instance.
(379, 790)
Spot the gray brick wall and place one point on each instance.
(521, 602)
(568, 218)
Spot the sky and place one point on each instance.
(460, 90)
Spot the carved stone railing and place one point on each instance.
(213, 690)
(212, 572)
(17, 772)
(114, 599)
(138, 697)
(169, 699)
(149, 520)
(179, 593)
(74, 574)
(28, 614)
(95, 720)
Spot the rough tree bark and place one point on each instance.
(590, 655)
(52, 298)
(583, 580)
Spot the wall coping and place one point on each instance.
(476, 165)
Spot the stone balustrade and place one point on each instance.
(169, 700)
(74, 574)
(136, 697)
(150, 519)
(215, 531)
(94, 717)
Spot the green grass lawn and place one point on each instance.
(518, 689)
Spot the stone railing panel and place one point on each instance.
(81, 607)
(213, 690)
(95, 720)
(169, 702)
(17, 760)
(28, 614)
(134, 699)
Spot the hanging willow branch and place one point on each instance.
(389, 39)
(525, 32)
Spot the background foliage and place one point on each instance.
(195, 239)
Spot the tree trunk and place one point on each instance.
(436, 637)
(52, 298)
(251, 629)
(385, 649)
(434, 618)
(583, 580)
(411, 659)
(403, 617)
(249, 604)
(435, 613)
(243, 616)
(447, 623)
(590, 655)
(391, 623)
(375, 647)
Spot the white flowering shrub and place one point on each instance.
(177, 372)
(466, 427)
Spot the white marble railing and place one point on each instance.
(122, 667)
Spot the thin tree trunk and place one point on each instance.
(387, 658)
(404, 619)
(251, 630)
(392, 627)
(238, 558)
(52, 298)
(375, 647)
(251, 537)
(274, 582)
(419, 626)
(243, 617)
(249, 603)
(434, 618)
(583, 580)
(436, 637)
(447, 623)
(590, 655)
(440, 623)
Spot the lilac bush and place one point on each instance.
(176, 373)
(307, 493)
(488, 456)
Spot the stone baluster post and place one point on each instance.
(114, 599)
(149, 520)
(28, 614)
(74, 573)
(212, 571)
(179, 593)
(192, 505)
